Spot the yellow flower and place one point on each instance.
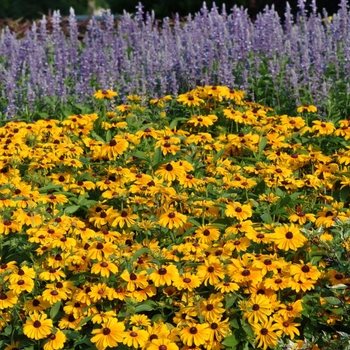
(190, 99)
(38, 326)
(195, 334)
(104, 268)
(107, 94)
(288, 237)
(172, 219)
(238, 211)
(56, 341)
(109, 335)
(322, 127)
(135, 337)
(265, 334)
(307, 108)
(162, 344)
(187, 281)
(257, 309)
(164, 275)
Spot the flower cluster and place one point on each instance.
(134, 228)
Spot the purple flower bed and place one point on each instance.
(310, 53)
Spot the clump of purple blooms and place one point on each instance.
(212, 47)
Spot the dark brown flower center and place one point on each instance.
(169, 167)
(187, 280)
(133, 334)
(133, 277)
(37, 324)
(289, 235)
(106, 331)
(171, 215)
(305, 269)
(264, 331)
(162, 271)
(245, 273)
(193, 330)
(255, 307)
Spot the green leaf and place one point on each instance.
(157, 157)
(262, 144)
(230, 341)
(108, 136)
(139, 253)
(49, 187)
(8, 330)
(344, 193)
(143, 307)
(97, 137)
(85, 320)
(332, 300)
(194, 222)
(230, 301)
(71, 209)
(55, 308)
(141, 155)
(218, 155)
(175, 122)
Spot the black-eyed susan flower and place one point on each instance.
(99, 291)
(111, 333)
(124, 218)
(301, 285)
(226, 287)
(134, 280)
(114, 148)
(164, 275)
(322, 128)
(162, 344)
(170, 171)
(55, 341)
(190, 99)
(257, 309)
(266, 335)
(212, 308)
(38, 326)
(211, 271)
(172, 219)
(7, 300)
(304, 271)
(239, 211)
(288, 237)
(195, 334)
(135, 337)
(104, 268)
(286, 326)
(187, 281)
(105, 94)
(291, 310)
(307, 108)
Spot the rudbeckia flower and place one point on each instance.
(190, 99)
(172, 219)
(239, 211)
(265, 334)
(195, 334)
(105, 94)
(135, 337)
(111, 333)
(55, 341)
(170, 171)
(164, 275)
(288, 237)
(38, 326)
(307, 108)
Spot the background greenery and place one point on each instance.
(29, 9)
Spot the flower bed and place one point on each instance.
(202, 223)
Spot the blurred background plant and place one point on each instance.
(16, 9)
